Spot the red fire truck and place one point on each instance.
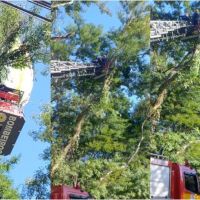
(171, 180)
(66, 192)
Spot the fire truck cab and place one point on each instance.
(66, 192)
(169, 180)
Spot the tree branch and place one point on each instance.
(79, 123)
(162, 91)
(183, 148)
(161, 95)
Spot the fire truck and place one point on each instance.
(67, 192)
(14, 95)
(170, 180)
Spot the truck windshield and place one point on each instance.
(191, 183)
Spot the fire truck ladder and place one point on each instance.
(165, 30)
(69, 69)
(42, 4)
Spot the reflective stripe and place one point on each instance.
(187, 195)
(196, 196)
(191, 196)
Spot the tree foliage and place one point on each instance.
(7, 191)
(175, 75)
(22, 39)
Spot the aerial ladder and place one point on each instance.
(159, 31)
(164, 30)
(69, 69)
(16, 88)
(15, 91)
(59, 69)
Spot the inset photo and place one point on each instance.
(25, 28)
(99, 66)
(174, 100)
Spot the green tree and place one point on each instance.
(98, 140)
(22, 39)
(6, 189)
(174, 91)
(98, 135)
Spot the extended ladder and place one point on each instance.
(68, 69)
(165, 30)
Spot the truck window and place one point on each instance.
(191, 183)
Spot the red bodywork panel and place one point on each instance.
(66, 192)
(9, 107)
(9, 96)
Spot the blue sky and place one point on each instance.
(108, 22)
(93, 15)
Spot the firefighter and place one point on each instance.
(196, 18)
(186, 17)
(101, 61)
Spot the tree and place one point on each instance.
(97, 137)
(6, 189)
(21, 40)
(174, 93)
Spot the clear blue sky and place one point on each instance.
(108, 22)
